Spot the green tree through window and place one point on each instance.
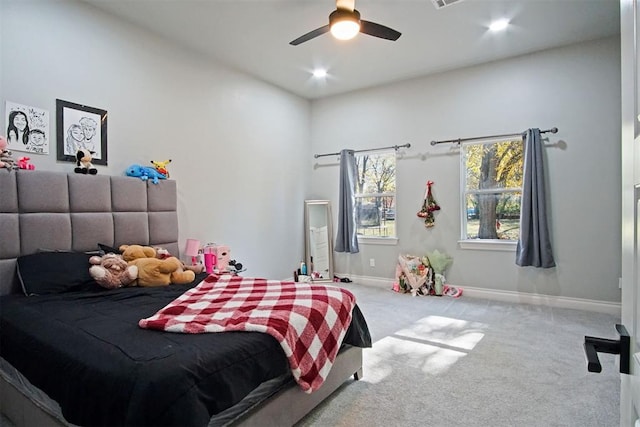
(376, 194)
(492, 189)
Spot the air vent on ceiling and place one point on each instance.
(439, 4)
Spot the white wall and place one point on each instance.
(575, 88)
(235, 142)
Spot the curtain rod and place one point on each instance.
(395, 147)
(459, 140)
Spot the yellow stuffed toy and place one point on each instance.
(153, 271)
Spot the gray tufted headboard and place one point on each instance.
(75, 212)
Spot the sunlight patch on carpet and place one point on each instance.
(454, 333)
(432, 344)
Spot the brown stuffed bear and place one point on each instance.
(111, 271)
(153, 271)
(162, 253)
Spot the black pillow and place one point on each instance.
(105, 249)
(96, 252)
(45, 273)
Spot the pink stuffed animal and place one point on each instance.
(23, 163)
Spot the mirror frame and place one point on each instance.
(307, 232)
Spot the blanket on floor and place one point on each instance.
(308, 320)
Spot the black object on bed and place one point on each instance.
(86, 351)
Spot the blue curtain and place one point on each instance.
(347, 239)
(534, 245)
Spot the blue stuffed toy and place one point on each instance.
(145, 173)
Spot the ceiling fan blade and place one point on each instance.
(377, 30)
(310, 35)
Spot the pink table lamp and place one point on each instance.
(191, 250)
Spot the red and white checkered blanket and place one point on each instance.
(308, 320)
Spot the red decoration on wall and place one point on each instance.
(428, 207)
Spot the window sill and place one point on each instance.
(489, 245)
(377, 240)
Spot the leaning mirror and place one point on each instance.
(318, 234)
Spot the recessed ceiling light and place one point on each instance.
(319, 73)
(499, 25)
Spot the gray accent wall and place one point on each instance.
(575, 88)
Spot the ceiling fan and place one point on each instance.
(345, 23)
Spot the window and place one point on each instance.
(376, 195)
(492, 189)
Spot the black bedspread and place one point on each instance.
(86, 351)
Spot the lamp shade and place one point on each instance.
(192, 247)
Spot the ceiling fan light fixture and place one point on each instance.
(345, 24)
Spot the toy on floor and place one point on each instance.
(6, 161)
(23, 163)
(439, 261)
(413, 274)
(145, 173)
(161, 166)
(83, 162)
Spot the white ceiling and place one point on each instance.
(253, 35)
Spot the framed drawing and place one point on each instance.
(79, 126)
(27, 128)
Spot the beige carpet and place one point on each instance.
(439, 361)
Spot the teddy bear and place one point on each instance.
(111, 271)
(83, 162)
(153, 271)
(162, 253)
(6, 161)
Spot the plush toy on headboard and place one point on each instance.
(161, 166)
(144, 173)
(6, 161)
(83, 162)
(23, 163)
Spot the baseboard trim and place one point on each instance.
(510, 296)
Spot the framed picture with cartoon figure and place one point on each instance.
(79, 126)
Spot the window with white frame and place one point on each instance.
(375, 208)
(491, 189)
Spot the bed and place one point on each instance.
(77, 356)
